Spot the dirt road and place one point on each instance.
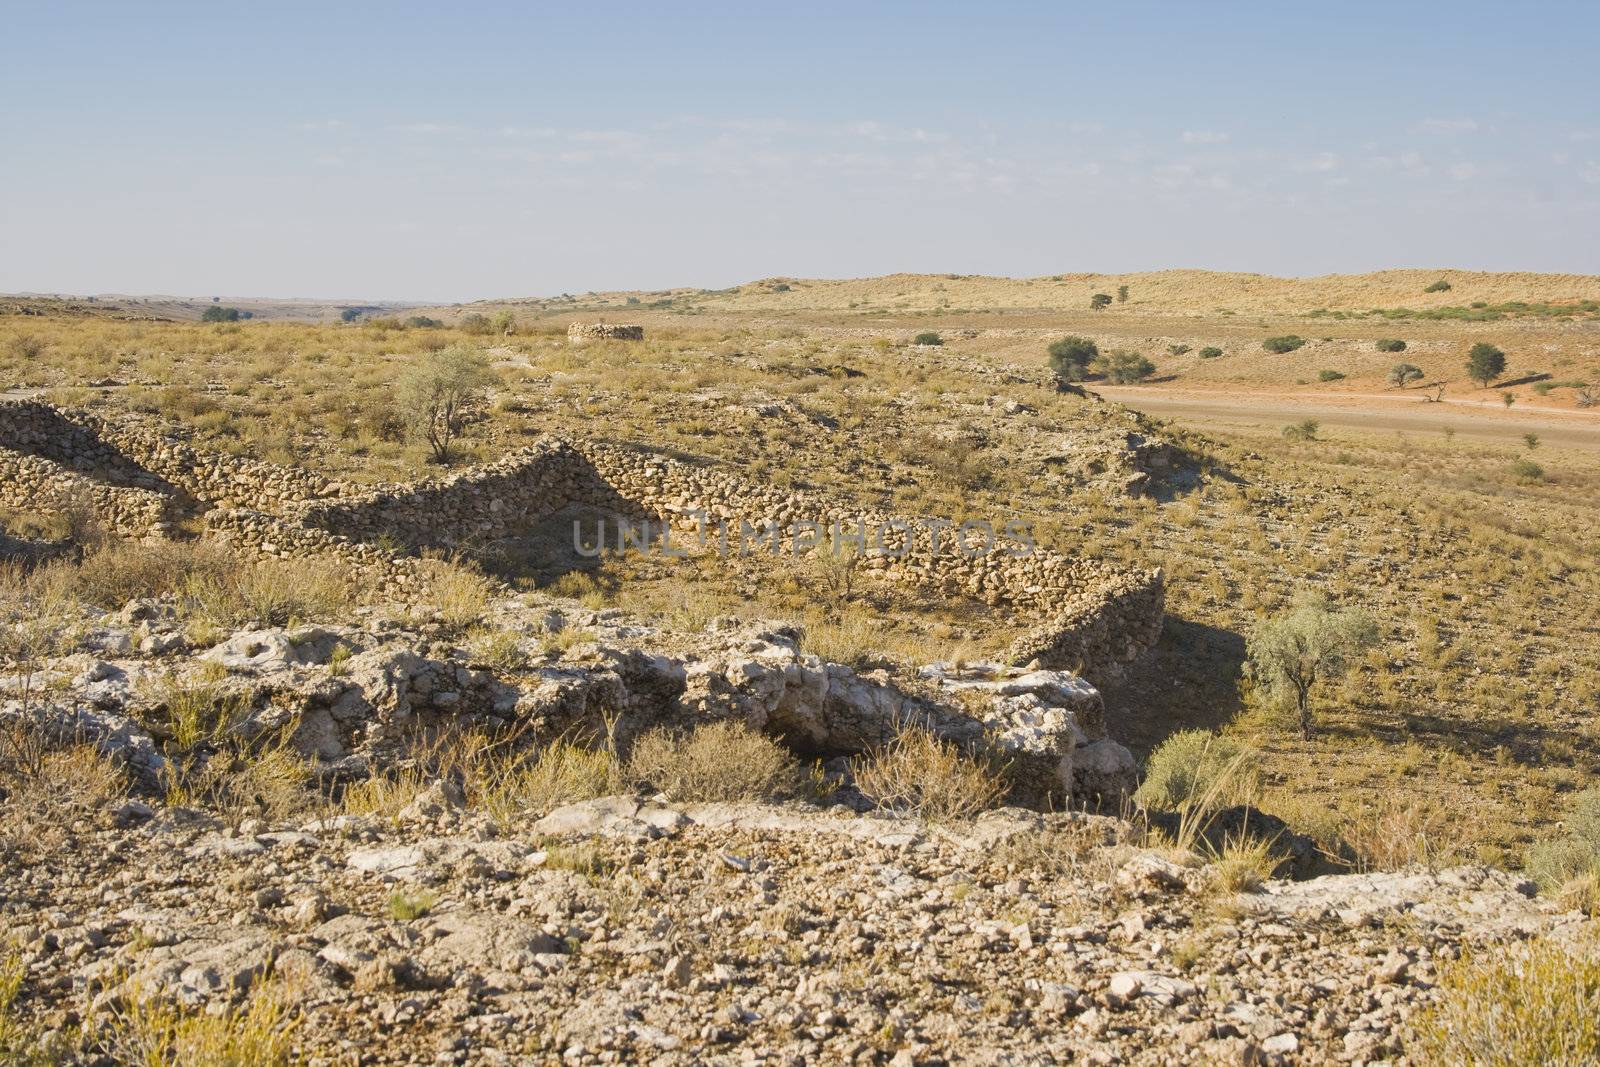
(1398, 413)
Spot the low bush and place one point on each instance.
(1391, 344)
(1534, 1003)
(1195, 769)
(919, 774)
(1177, 350)
(1286, 343)
(1330, 376)
(717, 761)
(1573, 859)
(1440, 286)
(1210, 352)
(1124, 368)
(1070, 357)
(1526, 470)
(929, 338)
(1305, 430)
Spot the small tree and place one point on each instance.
(1124, 368)
(1485, 363)
(349, 314)
(219, 314)
(1311, 643)
(434, 392)
(504, 323)
(1403, 374)
(1122, 294)
(1099, 301)
(1070, 357)
(1440, 286)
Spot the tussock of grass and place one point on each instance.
(717, 761)
(407, 906)
(154, 1032)
(1242, 864)
(919, 774)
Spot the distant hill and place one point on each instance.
(1166, 291)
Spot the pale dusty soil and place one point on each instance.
(1217, 408)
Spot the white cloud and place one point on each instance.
(1320, 163)
(1463, 171)
(1448, 125)
(1204, 137)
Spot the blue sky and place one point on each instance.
(441, 152)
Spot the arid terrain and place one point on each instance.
(323, 740)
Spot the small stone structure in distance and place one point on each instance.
(580, 332)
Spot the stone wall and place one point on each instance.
(139, 452)
(29, 483)
(1083, 615)
(603, 331)
(466, 509)
(1093, 617)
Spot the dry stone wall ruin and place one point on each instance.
(603, 331)
(138, 478)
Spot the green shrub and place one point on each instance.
(1310, 645)
(475, 323)
(1194, 769)
(1124, 368)
(929, 338)
(1287, 343)
(1329, 376)
(1440, 286)
(1070, 357)
(1526, 470)
(1391, 344)
(419, 322)
(1100, 300)
(1403, 374)
(1177, 350)
(1210, 352)
(217, 313)
(1305, 430)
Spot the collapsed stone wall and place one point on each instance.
(1096, 616)
(1092, 617)
(603, 331)
(29, 483)
(134, 451)
(491, 501)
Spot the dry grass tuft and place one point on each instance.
(1242, 864)
(919, 774)
(716, 761)
(154, 1032)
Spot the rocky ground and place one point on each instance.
(626, 930)
(639, 927)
